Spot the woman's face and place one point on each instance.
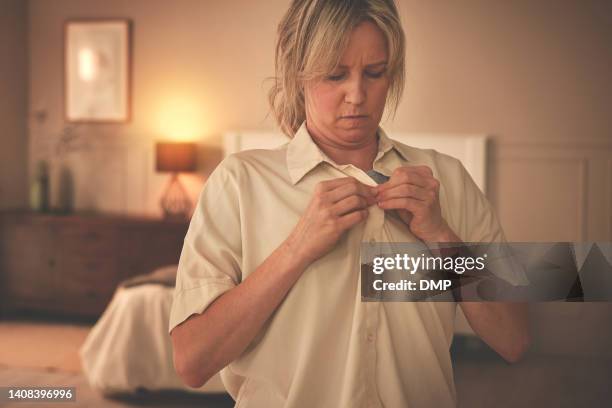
(346, 106)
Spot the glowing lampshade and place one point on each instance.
(175, 157)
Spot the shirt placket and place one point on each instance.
(372, 233)
(372, 236)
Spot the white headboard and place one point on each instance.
(470, 149)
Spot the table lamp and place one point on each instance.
(175, 158)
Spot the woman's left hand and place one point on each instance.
(414, 193)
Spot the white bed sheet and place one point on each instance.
(129, 347)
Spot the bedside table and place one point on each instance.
(72, 264)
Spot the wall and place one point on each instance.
(13, 103)
(532, 75)
(535, 76)
(198, 69)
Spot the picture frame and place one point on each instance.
(97, 70)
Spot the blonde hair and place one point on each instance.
(312, 37)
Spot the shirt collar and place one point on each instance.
(303, 154)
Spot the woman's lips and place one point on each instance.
(354, 121)
(354, 117)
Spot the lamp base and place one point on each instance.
(175, 202)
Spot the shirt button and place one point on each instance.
(372, 241)
(371, 337)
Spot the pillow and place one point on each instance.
(164, 275)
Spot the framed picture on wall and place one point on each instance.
(97, 70)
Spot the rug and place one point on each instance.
(44, 345)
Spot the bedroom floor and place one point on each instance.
(482, 379)
(542, 383)
(44, 352)
(86, 397)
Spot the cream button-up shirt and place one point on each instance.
(324, 347)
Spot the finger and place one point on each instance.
(348, 204)
(328, 185)
(352, 188)
(349, 220)
(409, 204)
(404, 190)
(424, 170)
(431, 181)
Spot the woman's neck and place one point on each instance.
(360, 155)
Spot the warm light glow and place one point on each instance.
(88, 64)
(181, 120)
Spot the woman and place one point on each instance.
(268, 288)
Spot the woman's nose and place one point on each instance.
(355, 92)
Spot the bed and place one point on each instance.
(129, 349)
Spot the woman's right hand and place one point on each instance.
(336, 206)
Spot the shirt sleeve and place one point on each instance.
(479, 224)
(211, 258)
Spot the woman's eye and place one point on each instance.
(335, 77)
(375, 74)
(338, 77)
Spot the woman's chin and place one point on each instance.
(360, 132)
